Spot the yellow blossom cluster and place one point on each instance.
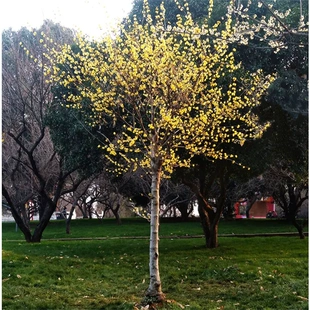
(174, 90)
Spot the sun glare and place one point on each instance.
(90, 17)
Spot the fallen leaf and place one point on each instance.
(176, 303)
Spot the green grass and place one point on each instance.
(243, 273)
(140, 227)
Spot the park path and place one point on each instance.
(283, 234)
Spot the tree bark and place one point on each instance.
(117, 217)
(209, 224)
(299, 229)
(90, 213)
(298, 226)
(154, 292)
(23, 226)
(22, 223)
(249, 206)
(116, 213)
(46, 216)
(68, 220)
(183, 208)
(212, 242)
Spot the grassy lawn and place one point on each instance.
(243, 273)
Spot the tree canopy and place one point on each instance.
(166, 85)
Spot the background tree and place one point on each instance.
(280, 159)
(176, 200)
(74, 199)
(164, 86)
(109, 197)
(209, 182)
(286, 178)
(32, 168)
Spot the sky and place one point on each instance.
(92, 17)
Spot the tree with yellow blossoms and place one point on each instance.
(164, 85)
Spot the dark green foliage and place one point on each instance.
(74, 139)
(286, 140)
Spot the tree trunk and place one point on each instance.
(83, 209)
(49, 208)
(183, 208)
(209, 222)
(249, 206)
(293, 207)
(68, 220)
(42, 205)
(90, 213)
(204, 218)
(20, 222)
(299, 227)
(24, 226)
(116, 214)
(212, 241)
(118, 219)
(154, 292)
(210, 229)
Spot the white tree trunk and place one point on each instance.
(154, 292)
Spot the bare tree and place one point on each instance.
(176, 200)
(289, 192)
(31, 166)
(209, 182)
